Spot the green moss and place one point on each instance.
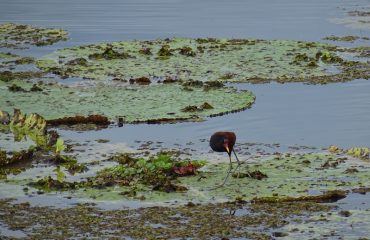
(153, 103)
(232, 60)
(21, 36)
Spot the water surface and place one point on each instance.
(287, 114)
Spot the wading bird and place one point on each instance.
(224, 142)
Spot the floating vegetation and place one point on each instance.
(231, 60)
(357, 18)
(159, 171)
(140, 81)
(251, 174)
(108, 54)
(91, 119)
(330, 196)
(32, 126)
(283, 178)
(348, 38)
(363, 153)
(49, 146)
(7, 76)
(334, 149)
(192, 108)
(199, 221)
(9, 61)
(22, 36)
(16, 157)
(134, 104)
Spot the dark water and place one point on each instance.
(287, 114)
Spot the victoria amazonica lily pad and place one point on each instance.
(153, 103)
(232, 60)
(22, 36)
(316, 177)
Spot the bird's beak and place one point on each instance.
(227, 149)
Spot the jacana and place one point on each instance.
(224, 142)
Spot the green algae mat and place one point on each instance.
(154, 103)
(208, 59)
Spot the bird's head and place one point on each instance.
(226, 145)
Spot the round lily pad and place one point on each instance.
(208, 59)
(153, 103)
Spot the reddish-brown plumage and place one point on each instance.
(224, 142)
(218, 140)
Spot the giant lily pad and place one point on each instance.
(21, 36)
(289, 177)
(152, 103)
(235, 60)
(318, 177)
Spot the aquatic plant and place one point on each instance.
(33, 126)
(158, 171)
(231, 60)
(14, 35)
(363, 153)
(133, 104)
(199, 221)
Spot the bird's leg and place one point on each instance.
(237, 159)
(239, 164)
(228, 172)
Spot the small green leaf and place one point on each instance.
(59, 146)
(60, 174)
